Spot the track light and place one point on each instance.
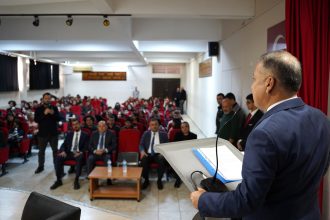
(106, 22)
(36, 21)
(69, 21)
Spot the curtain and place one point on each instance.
(307, 38)
(8, 73)
(44, 76)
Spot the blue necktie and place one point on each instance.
(152, 144)
(102, 142)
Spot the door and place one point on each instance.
(164, 87)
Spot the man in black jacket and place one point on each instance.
(47, 117)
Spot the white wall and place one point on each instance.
(242, 44)
(114, 91)
(24, 93)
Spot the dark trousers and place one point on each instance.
(59, 164)
(147, 160)
(93, 158)
(43, 141)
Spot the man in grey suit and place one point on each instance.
(102, 144)
(148, 154)
(286, 154)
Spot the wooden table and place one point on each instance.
(122, 189)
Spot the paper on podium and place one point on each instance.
(182, 159)
(229, 168)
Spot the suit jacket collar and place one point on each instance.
(292, 103)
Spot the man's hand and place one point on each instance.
(62, 154)
(194, 196)
(239, 146)
(99, 152)
(142, 154)
(77, 154)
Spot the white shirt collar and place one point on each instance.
(277, 103)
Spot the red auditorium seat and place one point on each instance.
(4, 156)
(172, 132)
(24, 148)
(129, 140)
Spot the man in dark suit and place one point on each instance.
(239, 113)
(148, 155)
(286, 154)
(73, 148)
(250, 121)
(102, 143)
(47, 117)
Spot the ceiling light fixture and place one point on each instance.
(36, 21)
(106, 22)
(69, 21)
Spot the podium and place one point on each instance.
(182, 159)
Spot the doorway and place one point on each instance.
(164, 87)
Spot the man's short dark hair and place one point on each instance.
(221, 94)
(47, 93)
(231, 96)
(285, 68)
(13, 102)
(249, 97)
(154, 119)
(89, 116)
(74, 120)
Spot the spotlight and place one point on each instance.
(36, 21)
(106, 22)
(69, 21)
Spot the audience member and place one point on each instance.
(47, 117)
(183, 98)
(148, 153)
(89, 124)
(136, 93)
(16, 134)
(251, 120)
(73, 148)
(240, 115)
(220, 97)
(101, 146)
(229, 127)
(183, 135)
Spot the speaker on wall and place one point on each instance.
(213, 49)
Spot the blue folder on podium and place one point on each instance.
(211, 165)
(182, 159)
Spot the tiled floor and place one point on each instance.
(169, 203)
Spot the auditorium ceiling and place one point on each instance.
(140, 31)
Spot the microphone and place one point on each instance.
(212, 184)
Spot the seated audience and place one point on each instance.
(16, 135)
(73, 148)
(148, 154)
(101, 146)
(112, 125)
(89, 124)
(185, 133)
(251, 120)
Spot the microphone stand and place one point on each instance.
(212, 184)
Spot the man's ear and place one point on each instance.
(270, 84)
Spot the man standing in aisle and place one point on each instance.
(286, 154)
(47, 117)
